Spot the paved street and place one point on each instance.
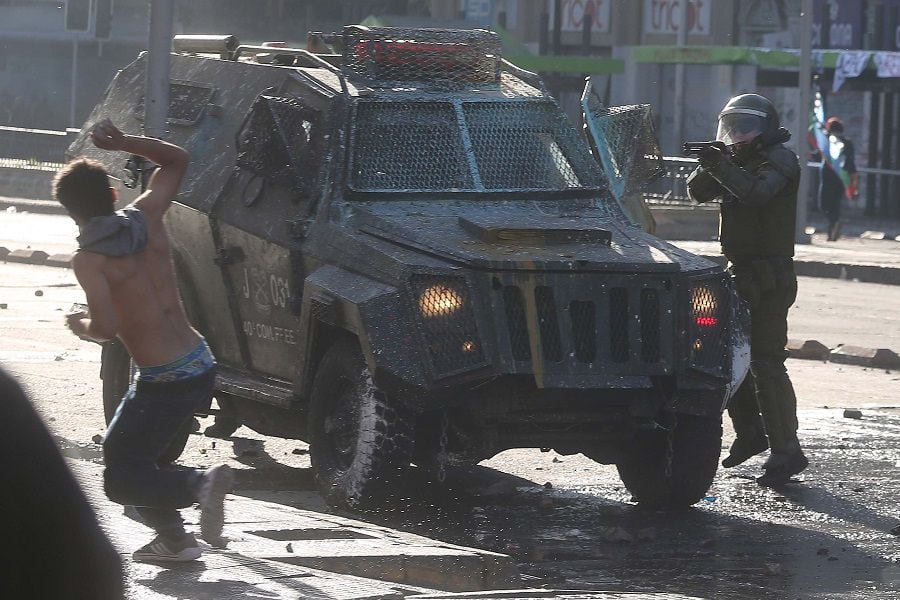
(824, 537)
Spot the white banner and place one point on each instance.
(850, 63)
(888, 64)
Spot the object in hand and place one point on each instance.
(709, 154)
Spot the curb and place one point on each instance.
(45, 207)
(876, 358)
(35, 257)
(828, 270)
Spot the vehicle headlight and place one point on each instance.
(446, 317)
(439, 301)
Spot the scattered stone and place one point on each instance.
(289, 547)
(808, 349)
(832, 558)
(548, 486)
(3, 305)
(202, 450)
(556, 460)
(300, 451)
(615, 535)
(38, 293)
(500, 488)
(852, 413)
(213, 444)
(97, 439)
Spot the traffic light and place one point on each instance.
(103, 20)
(78, 15)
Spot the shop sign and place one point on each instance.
(662, 16)
(575, 12)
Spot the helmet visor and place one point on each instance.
(737, 127)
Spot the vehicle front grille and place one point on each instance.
(616, 328)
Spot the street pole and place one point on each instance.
(804, 100)
(74, 90)
(156, 93)
(680, 41)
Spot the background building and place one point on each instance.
(51, 75)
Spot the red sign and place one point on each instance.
(662, 16)
(575, 12)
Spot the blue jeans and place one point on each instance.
(147, 420)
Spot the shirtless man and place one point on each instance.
(124, 264)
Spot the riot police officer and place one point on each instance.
(757, 178)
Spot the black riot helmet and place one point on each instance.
(746, 117)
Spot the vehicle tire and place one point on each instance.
(696, 445)
(360, 441)
(117, 371)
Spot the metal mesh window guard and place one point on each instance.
(275, 141)
(384, 55)
(526, 145)
(408, 146)
(482, 146)
(625, 139)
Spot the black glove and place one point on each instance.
(710, 158)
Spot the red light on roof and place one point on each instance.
(706, 321)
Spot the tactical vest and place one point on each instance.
(747, 231)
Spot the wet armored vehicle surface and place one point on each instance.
(404, 253)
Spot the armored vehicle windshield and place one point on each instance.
(478, 146)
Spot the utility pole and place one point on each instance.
(681, 41)
(804, 80)
(156, 93)
(73, 93)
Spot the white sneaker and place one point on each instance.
(216, 483)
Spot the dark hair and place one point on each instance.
(834, 124)
(82, 186)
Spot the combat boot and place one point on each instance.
(778, 405)
(750, 438)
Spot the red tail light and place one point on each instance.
(706, 321)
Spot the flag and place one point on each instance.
(829, 147)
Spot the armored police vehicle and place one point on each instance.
(402, 252)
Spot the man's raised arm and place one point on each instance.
(165, 181)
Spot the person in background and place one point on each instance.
(838, 177)
(56, 548)
(757, 178)
(124, 264)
